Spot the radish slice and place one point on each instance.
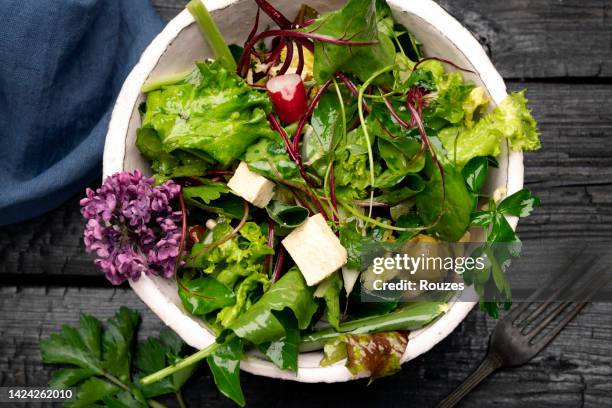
(288, 96)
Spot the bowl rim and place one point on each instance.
(154, 291)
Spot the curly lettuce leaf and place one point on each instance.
(212, 111)
(510, 120)
(234, 273)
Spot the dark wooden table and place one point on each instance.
(561, 51)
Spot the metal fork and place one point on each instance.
(522, 333)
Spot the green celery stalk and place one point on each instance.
(212, 34)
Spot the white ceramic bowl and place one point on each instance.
(180, 44)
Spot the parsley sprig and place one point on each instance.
(104, 364)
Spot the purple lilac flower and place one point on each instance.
(132, 227)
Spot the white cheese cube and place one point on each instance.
(254, 188)
(315, 249)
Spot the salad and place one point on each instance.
(279, 160)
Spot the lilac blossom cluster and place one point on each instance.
(132, 227)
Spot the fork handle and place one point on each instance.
(491, 363)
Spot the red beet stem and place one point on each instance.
(269, 258)
(248, 46)
(255, 26)
(332, 191)
(396, 115)
(300, 66)
(288, 58)
(311, 107)
(352, 88)
(452, 64)
(219, 172)
(293, 154)
(183, 231)
(278, 268)
(276, 16)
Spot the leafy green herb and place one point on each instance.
(411, 317)
(203, 295)
(287, 216)
(329, 290)
(284, 351)
(449, 198)
(224, 363)
(259, 324)
(358, 20)
(501, 246)
(105, 373)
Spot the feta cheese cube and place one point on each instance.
(315, 249)
(254, 188)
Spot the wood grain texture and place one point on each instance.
(575, 370)
(526, 38)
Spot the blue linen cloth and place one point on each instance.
(62, 63)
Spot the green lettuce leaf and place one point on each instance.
(510, 120)
(213, 111)
(235, 272)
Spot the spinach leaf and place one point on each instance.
(287, 216)
(284, 351)
(213, 111)
(258, 324)
(269, 158)
(331, 295)
(410, 186)
(203, 295)
(453, 202)
(358, 20)
(224, 364)
(326, 130)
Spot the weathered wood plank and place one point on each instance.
(573, 371)
(526, 38)
(572, 175)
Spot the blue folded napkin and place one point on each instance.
(62, 63)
